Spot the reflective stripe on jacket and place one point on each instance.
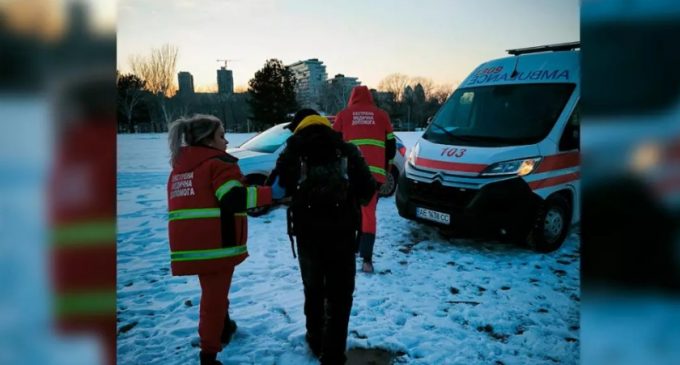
(369, 128)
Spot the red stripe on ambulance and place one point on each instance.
(556, 180)
(559, 161)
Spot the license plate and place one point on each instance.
(434, 216)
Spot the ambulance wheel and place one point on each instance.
(257, 180)
(552, 225)
(390, 185)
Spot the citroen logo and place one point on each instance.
(437, 177)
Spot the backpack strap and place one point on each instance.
(289, 221)
(303, 169)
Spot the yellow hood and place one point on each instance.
(312, 120)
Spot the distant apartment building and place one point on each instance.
(336, 93)
(225, 81)
(186, 83)
(346, 83)
(310, 76)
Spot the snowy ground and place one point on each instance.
(433, 300)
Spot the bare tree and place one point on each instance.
(158, 70)
(441, 92)
(394, 83)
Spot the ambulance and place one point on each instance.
(502, 154)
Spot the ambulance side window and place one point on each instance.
(571, 137)
(465, 109)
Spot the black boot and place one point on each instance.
(366, 243)
(209, 359)
(314, 343)
(366, 250)
(228, 330)
(338, 359)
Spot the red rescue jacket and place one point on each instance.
(82, 213)
(207, 202)
(369, 128)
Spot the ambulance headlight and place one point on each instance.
(515, 167)
(414, 154)
(645, 157)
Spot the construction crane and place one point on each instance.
(225, 61)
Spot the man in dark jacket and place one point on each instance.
(326, 235)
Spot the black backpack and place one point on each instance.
(323, 202)
(323, 184)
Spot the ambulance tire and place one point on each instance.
(390, 186)
(552, 225)
(257, 180)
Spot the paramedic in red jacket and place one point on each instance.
(369, 128)
(81, 197)
(207, 202)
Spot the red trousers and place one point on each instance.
(213, 310)
(368, 215)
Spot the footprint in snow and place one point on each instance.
(357, 335)
(559, 272)
(127, 327)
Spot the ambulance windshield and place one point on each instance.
(499, 115)
(268, 141)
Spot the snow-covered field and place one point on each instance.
(432, 300)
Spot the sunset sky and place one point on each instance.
(438, 39)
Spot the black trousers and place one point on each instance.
(328, 269)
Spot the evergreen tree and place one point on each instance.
(419, 94)
(418, 112)
(407, 105)
(272, 94)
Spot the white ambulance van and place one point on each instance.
(502, 153)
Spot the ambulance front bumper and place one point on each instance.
(507, 204)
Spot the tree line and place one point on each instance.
(148, 100)
(410, 101)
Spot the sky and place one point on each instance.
(438, 39)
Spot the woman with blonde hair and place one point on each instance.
(207, 203)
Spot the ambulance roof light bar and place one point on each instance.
(549, 47)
